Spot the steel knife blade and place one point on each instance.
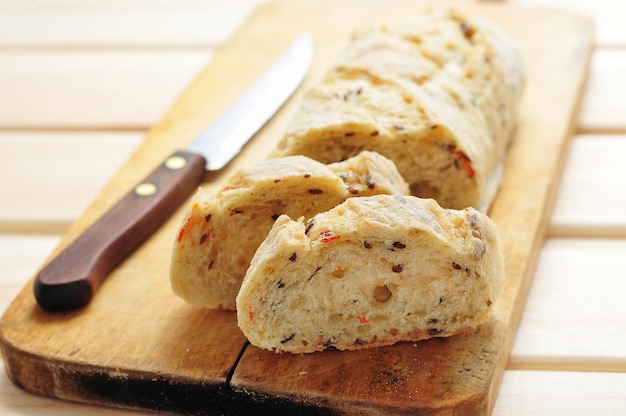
(72, 278)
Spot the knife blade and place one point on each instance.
(72, 278)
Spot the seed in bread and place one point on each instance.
(437, 95)
(221, 232)
(371, 272)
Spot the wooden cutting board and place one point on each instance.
(139, 346)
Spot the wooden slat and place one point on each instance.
(93, 89)
(190, 22)
(96, 23)
(574, 315)
(20, 257)
(591, 197)
(108, 88)
(607, 14)
(603, 106)
(49, 178)
(543, 393)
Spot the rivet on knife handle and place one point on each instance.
(70, 280)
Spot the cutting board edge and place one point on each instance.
(117, 388)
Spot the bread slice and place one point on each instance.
(370, 272)
(221, 232)
(437, 94)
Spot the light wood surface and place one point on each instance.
(601, 110)
(565, 325)
(535, 386)
(591, 195)
(62, 167)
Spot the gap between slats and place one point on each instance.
(549, 393)
(125, 89)
(574, 315)
(603, 106)
(591, 198)
(93, 90)
(54, 176)
(20, 257)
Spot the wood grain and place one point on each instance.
(540, 393)
(170, 349)
(16, 403)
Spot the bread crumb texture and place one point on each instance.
(437, 94)
(220, 232)
(370, 272)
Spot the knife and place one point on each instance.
(71, 279)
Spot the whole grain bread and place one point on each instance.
(220, 232)
(370, 272)
(436, 94)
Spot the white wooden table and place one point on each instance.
(81, 82)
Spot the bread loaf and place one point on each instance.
(221, 232)
(437, 95)
(370, 272)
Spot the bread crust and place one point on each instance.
(220, 232)
(372, 271)
(437, 94)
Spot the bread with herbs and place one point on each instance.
(437, 94)
(371, 272)
(220, 232)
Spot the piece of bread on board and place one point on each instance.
(437, 94)
(221, 232)
(371, 272)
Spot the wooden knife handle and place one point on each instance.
(70, 280)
